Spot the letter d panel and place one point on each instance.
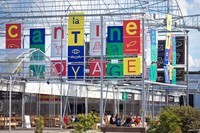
(75, 72)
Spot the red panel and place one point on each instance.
(59, 68)
(13, 35)
(131, 28)
(13, 44)
(132, 45)
(95, 68)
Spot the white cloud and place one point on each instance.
(194, 63)
(184, 5)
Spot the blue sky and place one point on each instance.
(191, 7)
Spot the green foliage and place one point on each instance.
(176, 119)
(85, 123)
(39, 124)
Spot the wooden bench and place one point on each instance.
(123, 129)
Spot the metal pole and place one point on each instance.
(117, 100)
(86, 101)
(143, 89)
(101, 99)
(106, 99)
(61, 91)
(152, 103)
(10, 98)
(187, 71)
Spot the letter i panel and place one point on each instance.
(75, 72)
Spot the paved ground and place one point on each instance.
(45, 131)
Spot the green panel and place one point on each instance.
(114, 70)
(154, 53)
(153, 72)
(38, 55)
(173, 58)
(114, 51)
(124, 96)
(38, 70)
(174, 76)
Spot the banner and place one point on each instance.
(161, 51)
(58, 68)
(132, 66)
(114, 70)
(95, 68)
(166, 73)
(13, 36)
(37, 71)
(174, 76)
(154, 51)
(58, 41)
(95, 39)
(174, 51)
(131, 36)
(115, 34)
(169, 22)
(76, 29)
(153, 72)
(180, 49)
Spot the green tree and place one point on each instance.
(176, 119)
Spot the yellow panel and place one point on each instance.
(170, 71)
(76, 21)
(75, 37)
(169, 22)
(132, 66)
(168, 41)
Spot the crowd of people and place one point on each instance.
(128, 121)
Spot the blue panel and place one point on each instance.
(37, 36)
(75, 53)
(153, 37)
(75, 72)
(115, 34)
(166, 57)
(166, 72)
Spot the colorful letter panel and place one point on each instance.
(75, 37)
(58, 68)
(114, 51)
(13, 36)
(75, 53)
(115, 34)
(132, 66)
(114, 70)
(75, 72)
(75, 21)
(131, 28)
(95, 68)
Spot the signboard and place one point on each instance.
(13, 36)
(131, 37)
(75, 72)
(58, 68)
(37, 39)
(114, 51)
(15, 95)
(75, 53)
(58, 41)
(161, 51)
(124, 96)
(37, 70)
(95, 68)
(114, 70)
(132, 66)
(180, 49)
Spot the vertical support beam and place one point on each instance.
(86, 101)
(187, 67)
(101, 78)
(152, 105)
(118, 111)
(106, 100)
(23, 104)
(10, 98)
(61, 91)
(143, 86)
